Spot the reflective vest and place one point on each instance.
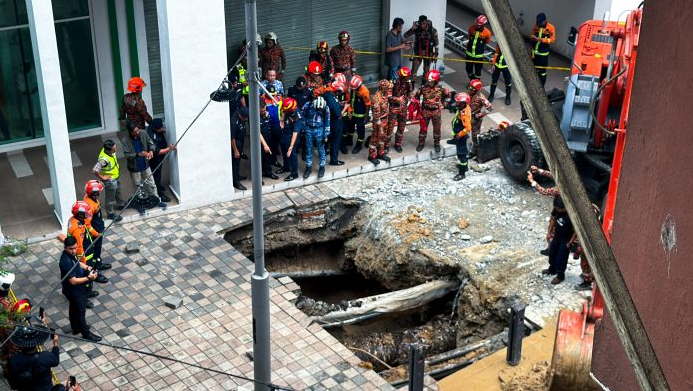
(460, 125)
(85, 234)
(356, 98)
(241, 79)
(542, 48)
(471, 47)
(112, 168)
(500, 62)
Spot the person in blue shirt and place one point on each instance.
(316, 115)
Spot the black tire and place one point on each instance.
(519, 149)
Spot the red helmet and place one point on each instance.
(404, 72)
(337, 85)
(355, 82)
(81, 207)
(503, 125)
(323, 46)
(289, 105)
(23, 305)
(93, 186)
(340, 78)
(136, 84)
(315, 67)
(475, 85)
(344, 35)
(481, 20)
(433, 75)
(462, 97)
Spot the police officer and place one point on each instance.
(266, 132)
(29, 369)
(76, 278)
(239, 129)
(291, 127)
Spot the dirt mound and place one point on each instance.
(525, 379)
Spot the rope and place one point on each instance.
(241, 377)
(371, 354)
(298, 48)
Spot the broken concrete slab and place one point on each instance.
(173, 301)
(132, 248)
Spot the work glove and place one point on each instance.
(470, 144)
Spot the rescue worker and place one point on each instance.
(313, 78)
(480, 107)
(292, 123)
(107, 170)
(381, 110)
(343, 55)
(266, 132)
(132, 108)
(271, 56)
(432, 97)
(317, 120)
(336, 99)
(239, 71)
(301, 95)
(321, 55)
(359, 105)
(79, 227)
(92, 190)
(500, 66)
(461, 126)
(479, 36)
(543, 35)
(425, 45)
(399, 99)
(239, 129)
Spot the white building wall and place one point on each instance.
(410, 10)
(562, 14)
(193, 60)
(617, 9)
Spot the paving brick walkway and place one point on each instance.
(182, 253)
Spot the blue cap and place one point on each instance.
(157, 123)
(541, 18)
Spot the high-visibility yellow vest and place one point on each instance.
(112, 169)
(473, 53)
(241, 79)
(501, 62)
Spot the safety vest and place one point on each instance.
(82, 232)
(471, 47)
(241, 79)
(457, 123)
(540, 48)
(500, 62)
(112, 168)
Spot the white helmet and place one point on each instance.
(271, 35)
(319, 103)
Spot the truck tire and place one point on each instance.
(519, 149)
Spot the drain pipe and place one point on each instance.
(260, 280)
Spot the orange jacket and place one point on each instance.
(94, 204)
(79, 230)
(362, 93)
(547, 37)
(465, 116)
(476, 49)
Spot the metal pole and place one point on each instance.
(619, 303)
(416, 369)
(516, 331)
(260, 279)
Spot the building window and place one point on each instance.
(20, 112)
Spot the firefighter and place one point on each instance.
(461, 126)
(132, 108)
(432, 97)
(317, 121)
(359, 105)
(500, 66)
(313, 78)
(292, 123)
(425, 45)
(399, 99)
(79, 227)
(321, 55)
(381, 110)
(92, 191)
(271, 56)
(543, 35)
(479, 36)
(480, 107)
(343, 55)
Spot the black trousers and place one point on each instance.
(236, 163)
(541, 61)
(558, 257)
(495, 76)
(153, 163)
(355, 125)
(77, 313)
(474, 68)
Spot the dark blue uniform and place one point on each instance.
(292, 124)
(266, 131)
(239, 129)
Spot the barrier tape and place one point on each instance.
(431, 58)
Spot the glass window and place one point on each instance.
(65, 9)
(78, 72)
(20, 112)
(13, 13)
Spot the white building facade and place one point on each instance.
(64, 65)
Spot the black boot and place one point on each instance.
(321, 172)
(306, 173)
(398, 148)
(374, 160)
(102, 265)
(344, 150)
(460, 174)
(436, 148)
(358, 147)
(384, 158)
(492, 94)
(420, 146)
(507, 95)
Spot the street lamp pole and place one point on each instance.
(260, 279)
